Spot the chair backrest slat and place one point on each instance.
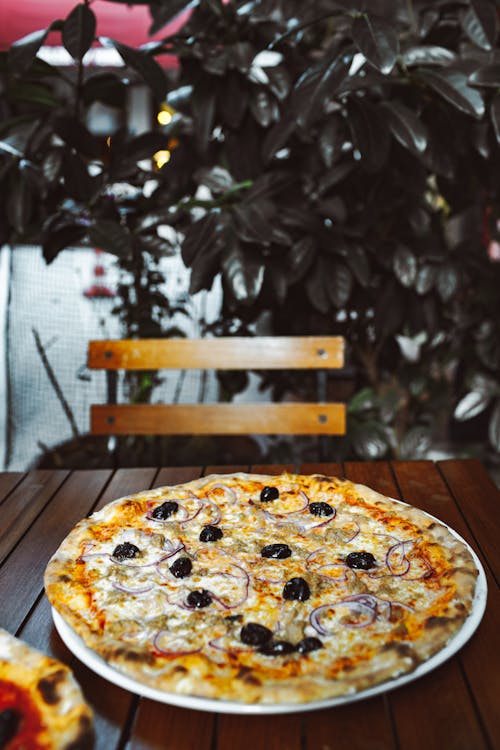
(228, 353)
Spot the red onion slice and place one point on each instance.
(228, 490)
(176, 646)
(304, 504)
(131, 589)
(228, 645)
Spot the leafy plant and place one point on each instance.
(335, 163)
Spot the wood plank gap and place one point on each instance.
(215, 732)
(9, 482)
(482, 724)
(392, 722)
(129, 723)
(9, 526)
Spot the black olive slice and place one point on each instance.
(254, 634)
(276, 551)
(199, 599)
(268, 494)
(276, 648)
(296, 589)
(210, 534)
(125, 551)
(321, 509)
(309, 644)
(360, 560)
(165, 510)
(182, 567)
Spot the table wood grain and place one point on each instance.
(454, 707)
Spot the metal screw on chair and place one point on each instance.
(322, 353)
(108, 354)
(110, 420)
(322, 418)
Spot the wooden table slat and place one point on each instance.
(479, 500)
(22, 580)
(24, 504)
(161, 727)
(412, 698)
(8, 480)
(423, 485)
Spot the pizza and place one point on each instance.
(263, 589)
(41, 704)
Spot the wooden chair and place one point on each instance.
(320, 353)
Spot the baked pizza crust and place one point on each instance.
(66, 718)
(247, 675)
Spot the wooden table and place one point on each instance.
(457, 706)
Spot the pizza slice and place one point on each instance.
(41, 704)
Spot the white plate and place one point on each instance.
(102, 668)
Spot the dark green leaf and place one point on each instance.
(489, 76)
(279, 281)
(338, 282)
(406, 127)
(340, 171)
(494, 427)
(427, 55)
(277, 137)
(232, 99)
(105, 87)
(163, 13)
(495, 116)
(52, 165)
(370, 133)
(35, 93)
(390, 310)
(111, 237)
(79, 31)
(253, 221)
(205, 266)
(480, 23)
(143, 64)
(217, 179)
(279, 82)
(472, 404)
(76, 135)
(199, 236)
(315, 288)
(377, 41)
(300, 258)
(426, 276)
(264, 107)
(319, 89)
(405, 266)
(453, 86)
(331, 140)
(363, 400)
(415, 443)
(23, 51)
(144, 146)
(242, 276)
(77, 180)
(54, 241)
(19, 204)
(369, 440)
(448, 281)
(358, 262)
(203, 105)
